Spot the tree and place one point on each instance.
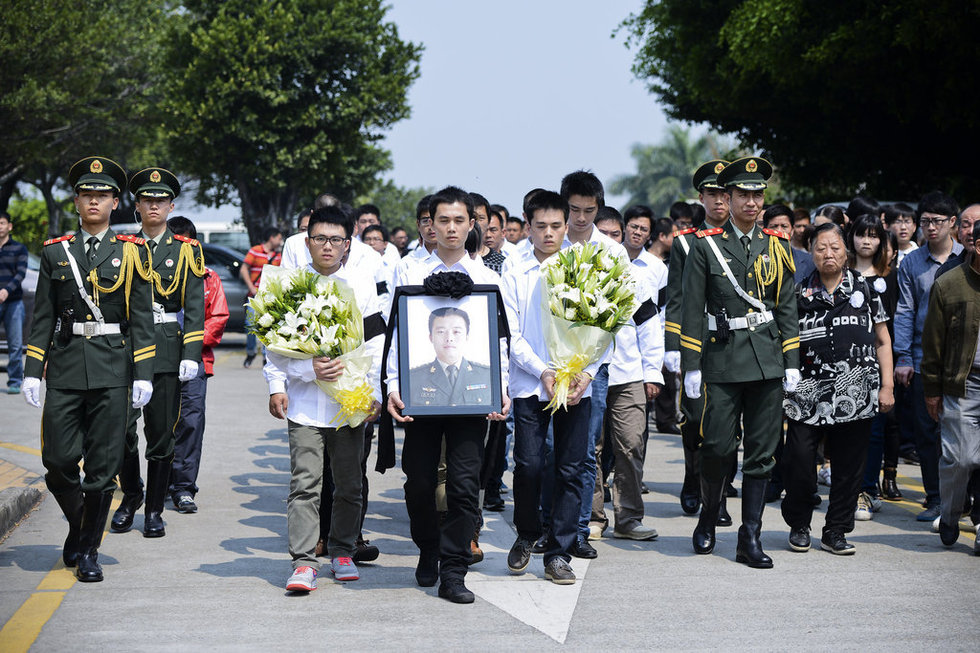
(280, 101)
(397, 204)
(838, 95)
(75, 83)
(663, 172)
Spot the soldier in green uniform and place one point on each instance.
(740, 337)
(450, 379)
(92, 339)
(178, 317)
(714, 198)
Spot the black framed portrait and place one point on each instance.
(449, 354)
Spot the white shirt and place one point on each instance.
(508, 248)
(295, 253)
(413, 273)
(391, 255)
(521, 289)
(639, 352)
(308, 404)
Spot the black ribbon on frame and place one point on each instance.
(454, 285)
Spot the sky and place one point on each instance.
(514, 95)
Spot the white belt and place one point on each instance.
(160, 318)
(750, 320)
(89, 329)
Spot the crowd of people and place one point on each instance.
(826, 348)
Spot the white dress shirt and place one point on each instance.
(639, 352)
(414, 273)
(521, 288)
(308, 404)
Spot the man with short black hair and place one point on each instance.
(682, 214)
(610, 223)
(13, 267)
(514, 230)
(936, 215)
(779, 217)
(902, 220)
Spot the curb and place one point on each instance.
(16, 503)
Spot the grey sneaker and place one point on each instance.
(638, 532)
(519, 556)
(558, 572)
(302, 580)
(343, 569)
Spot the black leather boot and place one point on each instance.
(691, 490)
(157, 482)
(95, 512)
(71, 505)
(889, 486)
(704, 532)
(724, 518)
(749, 550)
(132, 487)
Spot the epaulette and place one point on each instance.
(185, 239)
(129, 238)
(778, 234)
(57, 240)
(711, 232)
(684, 232)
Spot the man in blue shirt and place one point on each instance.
(13, 267)
(937, 216)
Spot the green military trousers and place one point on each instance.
(159, 418)
(759, 406)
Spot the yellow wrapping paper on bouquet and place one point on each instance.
(571, 348)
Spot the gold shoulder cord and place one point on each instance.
(130, 264)
(186, 261)
(772, 271)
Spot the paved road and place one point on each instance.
(215, 582)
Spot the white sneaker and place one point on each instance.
(823, 475)
(595, 532)
(863, 512)
(302, 580)
(935, 524)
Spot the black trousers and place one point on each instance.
(665, 405)
(846, 446)
(464, 461)
(189, 435)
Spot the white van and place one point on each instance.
(227, 234)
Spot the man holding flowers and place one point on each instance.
(323, 393)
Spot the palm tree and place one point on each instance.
(663, 172)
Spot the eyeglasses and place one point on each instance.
(905, 221)
(933, 222)
(424, 222)
(321, 240)
(639, 228)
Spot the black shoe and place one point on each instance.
(690, 504)
(911, 457)
(948, 534)
(730, 491)
(541, 545)
(493, 502)
(691, 489)
(520, 555)
(248, 360)
(799, 539)
(132, 487)
(185, 504)
(558, 572)
(364, 551)
(606, 494)
(582, 549)
(644, 489)
(703, 538)
(157, 482)
(668, 428)
(724, 519)
(834, 542)
(817, 499)
(427, 570)
(454, 590)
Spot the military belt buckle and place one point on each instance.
(90, 329)
(754, 319)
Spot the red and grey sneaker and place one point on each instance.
(344, 569)
(302, 580)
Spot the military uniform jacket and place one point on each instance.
(683, 241)
(754, 353)
(91, 362)
(186, 292)
(430, 385)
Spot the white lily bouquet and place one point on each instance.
(589, 296)
(301, 315)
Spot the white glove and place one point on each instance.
(672, 361)
(142, 391)
(791, 380)
(692, 384)
(32, 391)
(188, 370)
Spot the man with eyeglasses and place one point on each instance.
(936, 213)
(900, 220)
(295, 396)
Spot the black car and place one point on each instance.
(228, 263)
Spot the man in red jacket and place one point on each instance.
(189, 431)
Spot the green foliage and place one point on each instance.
(663, 171)
(839, 96)
(397, 204)
(280, 101)
(30, 218)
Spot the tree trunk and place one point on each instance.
(261, 210)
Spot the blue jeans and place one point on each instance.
(531, 422)
(926, 441)
(600, 386)
(12, 314)
(251, 340)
